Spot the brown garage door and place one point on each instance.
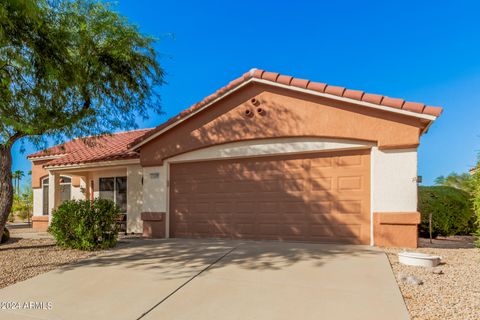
(308, 197)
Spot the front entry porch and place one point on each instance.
(121, 184)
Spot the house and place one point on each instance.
(268, 156)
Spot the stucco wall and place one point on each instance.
(155, 189)
(394, 185)
(38, 173)
(134, 198)
(78, 192)
(37, 201)
(285, 114)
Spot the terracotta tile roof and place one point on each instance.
(93, 149)
(396, 103)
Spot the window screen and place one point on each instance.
(45, 200)
(107, 188)
(114, 189)
(121, 193)
(65, 192)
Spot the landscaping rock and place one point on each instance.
(401, 277)
(451, 291)
(405, 278)
(437, 271)
(26, 258)
(413, 280)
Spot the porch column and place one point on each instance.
(86, 190)
(53, 193)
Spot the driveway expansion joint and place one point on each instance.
(188, 281)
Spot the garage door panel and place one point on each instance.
(183, 188)
(268, 207)
(270, 186)
(350, 161)
(294, 207)
(268, 218)
(292, 218)
(321, 184)
(350, 183)
(347, 231)
(221, 229)
(313, 197)
(350, 207)
(322, 207)
(322, 162)
(244, 230)
(182, 217)
(321, 230)
(268, 229)
(294, 185)
(200, 227)
(222, 206)
(320, 219)
(293, 231)
(181, 228)
(244, 207)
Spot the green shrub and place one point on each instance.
(23, 204)
(476, 202)
(5, 235)
(85, 224)
(451, 210)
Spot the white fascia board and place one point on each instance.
(349, 100)
(46, 157)
(93, 165)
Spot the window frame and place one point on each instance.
(46, 196)
(115, 190)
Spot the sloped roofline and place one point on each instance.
(375, 101)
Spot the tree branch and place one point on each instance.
(16, 136)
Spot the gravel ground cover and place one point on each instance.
(22, 258)
(453, 294)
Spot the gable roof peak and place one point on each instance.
(355, 96)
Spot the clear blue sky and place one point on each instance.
(425, 51)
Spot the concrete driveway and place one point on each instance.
(214, 279)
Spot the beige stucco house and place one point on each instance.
(268, 156)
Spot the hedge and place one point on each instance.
(85, 224)
(451, 209)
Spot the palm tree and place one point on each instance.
(461, 181)
(17, 176)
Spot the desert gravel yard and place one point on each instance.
(21, 259)
(453, 294)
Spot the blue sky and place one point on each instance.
(425, 51)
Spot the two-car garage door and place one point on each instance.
(308, 197)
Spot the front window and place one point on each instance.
(115, 189)
(65, 191)
(45, 196)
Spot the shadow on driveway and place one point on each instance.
(191, 278)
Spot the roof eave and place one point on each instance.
(49, 157)
(92, 164)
